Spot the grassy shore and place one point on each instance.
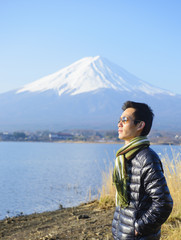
(171, 229)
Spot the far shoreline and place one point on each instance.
(92, 142)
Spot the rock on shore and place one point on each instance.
(84, 222)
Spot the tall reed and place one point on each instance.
(172, 170)
(107, 192)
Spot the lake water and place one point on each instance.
(37, 177)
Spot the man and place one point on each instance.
(143, 201)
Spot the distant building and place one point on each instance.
(60, 136)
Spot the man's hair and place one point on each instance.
(142, 113)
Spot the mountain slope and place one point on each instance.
(87, 94)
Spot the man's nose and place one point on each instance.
(120, 124)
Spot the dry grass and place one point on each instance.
(107, 193)
(172, 169)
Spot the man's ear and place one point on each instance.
(141, 125)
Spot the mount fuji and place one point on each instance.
(87, 94)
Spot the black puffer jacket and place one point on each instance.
(150, 201)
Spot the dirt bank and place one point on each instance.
(85, 222)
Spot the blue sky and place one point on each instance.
(39, 37)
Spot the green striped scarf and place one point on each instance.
(120, 176)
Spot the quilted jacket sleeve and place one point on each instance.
(156, 192)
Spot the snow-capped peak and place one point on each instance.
(90, 74)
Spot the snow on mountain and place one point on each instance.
(91, 74)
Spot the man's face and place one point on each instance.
(128, 130)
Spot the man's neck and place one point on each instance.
(126, 142)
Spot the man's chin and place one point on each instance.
(120, 137)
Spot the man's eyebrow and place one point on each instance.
(125, 116)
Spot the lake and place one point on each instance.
(37, 177)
